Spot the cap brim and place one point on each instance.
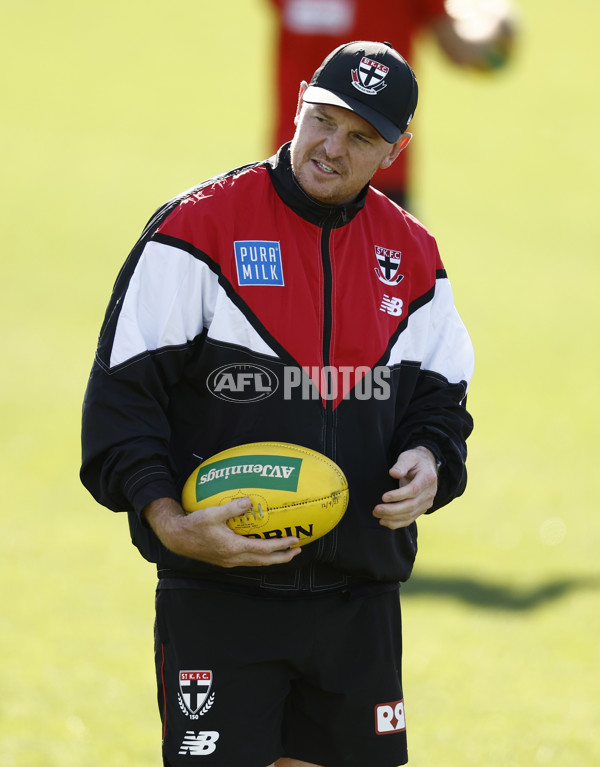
(387, 130)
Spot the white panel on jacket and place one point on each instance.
(171, 298)
(436, 337)
(229, 325)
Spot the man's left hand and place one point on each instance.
(416, 472)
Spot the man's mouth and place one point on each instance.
(325, 168)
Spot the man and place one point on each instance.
(475, 34)
(268, 653)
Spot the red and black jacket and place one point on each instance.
(341, 320)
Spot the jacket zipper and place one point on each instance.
(328, 544)
(328, 430)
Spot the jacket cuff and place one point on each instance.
(430, 445)
(439, 458)
(151, 492)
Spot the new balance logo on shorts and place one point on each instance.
(389, 718)
(202, 744)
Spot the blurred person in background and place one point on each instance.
(477, 34)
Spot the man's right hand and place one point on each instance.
(205, 535)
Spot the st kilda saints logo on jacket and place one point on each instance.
(388, 265)
(194, 695)
(369, 77)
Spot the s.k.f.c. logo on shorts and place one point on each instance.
(389, 718)
(194, 693)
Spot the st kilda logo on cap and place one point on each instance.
(369, 76)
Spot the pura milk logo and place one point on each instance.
(258, 262)
(267, 471)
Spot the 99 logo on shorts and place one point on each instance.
(389, 718)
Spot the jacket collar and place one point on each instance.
(287, 187)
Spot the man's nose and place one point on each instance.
(335, 143)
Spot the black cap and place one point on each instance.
(370, 79)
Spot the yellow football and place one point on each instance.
(294, 490)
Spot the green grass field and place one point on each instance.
(109, 109)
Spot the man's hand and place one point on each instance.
(416, 472)
(204, 535)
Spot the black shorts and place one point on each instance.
(244, 680)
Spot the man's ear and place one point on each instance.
(303, 87)
(397, 147)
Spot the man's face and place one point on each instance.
(335, 152)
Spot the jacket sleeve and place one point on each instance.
(143, 345)
(436, 416)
